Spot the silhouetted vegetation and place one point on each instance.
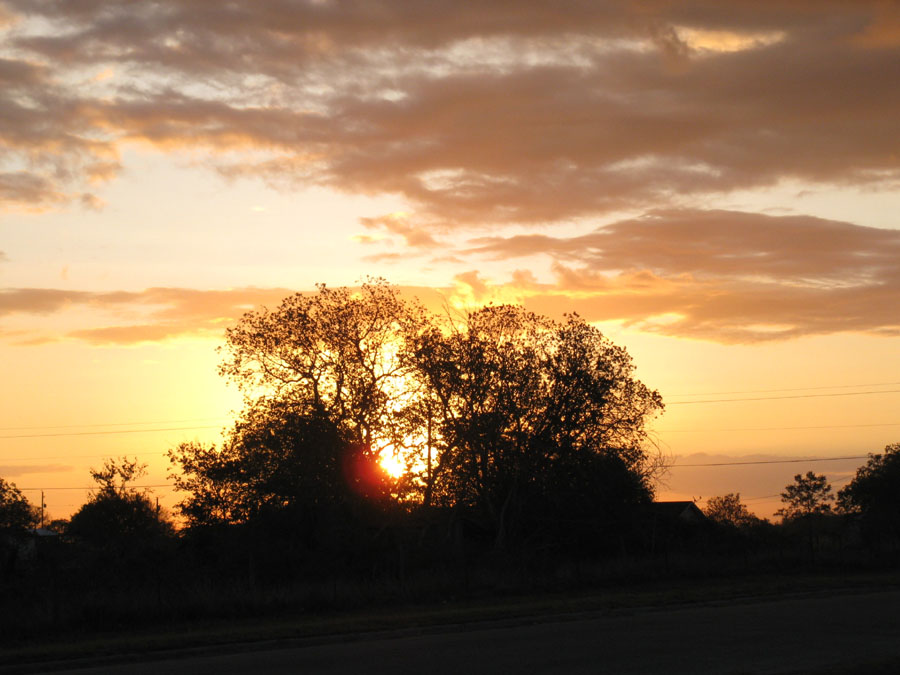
(873, 498)
(526, 467)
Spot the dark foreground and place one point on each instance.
(819, 633)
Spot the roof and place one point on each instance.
(43, 532)
(686, 511)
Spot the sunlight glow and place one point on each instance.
(393, 464)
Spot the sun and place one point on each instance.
(393, 464)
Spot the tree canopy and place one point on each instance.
(729, 510)
(118, 513)
(874, 492)
(17, 514)
(496, 413)
(808, 495)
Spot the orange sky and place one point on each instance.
(714, 184)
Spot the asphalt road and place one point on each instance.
(765, 636)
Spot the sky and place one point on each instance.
(714, 185)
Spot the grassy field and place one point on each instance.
(308, 627)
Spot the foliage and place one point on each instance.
(808, 495)
(874, 493)
(117, 513)
(728, 510)
(333, 355)
(17, 514)
(275, 458)
(523, 400)
(513, 417)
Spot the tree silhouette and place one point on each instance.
(275, 458)
(118, 514)
(808, 495)
(508, 415)
(334, 355)
(526, 405)
(729, 510)
(874, 494)
(17, 514)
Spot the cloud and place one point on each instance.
(398, 224)
(152, 315)
(13, 470)
(725, 276)
(719, 275)
(507, 113)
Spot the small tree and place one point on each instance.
(728, 510)
(17, 514)
(118, 513)
(808, 495)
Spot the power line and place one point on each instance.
(822, 426)
(773, 461)
(94, 487)
(777, 398)
(769, 391)
(32, 458)
(106, 433)
(837, 481)
(114, 424)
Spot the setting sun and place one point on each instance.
(392, 463)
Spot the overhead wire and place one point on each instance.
(781, 398)
(773, 461)
(818, 426)
(114, 424)
(769, 391)
(109, 432)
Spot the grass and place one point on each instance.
(304, 626)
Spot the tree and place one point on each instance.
(325, 379)
(524, 404)
(728, 510)
(494, 415)
(807, 496)
(874, 493)
(275, 458)
(17, 514)
(334, 355)
(118, 514)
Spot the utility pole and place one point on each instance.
(42, 509)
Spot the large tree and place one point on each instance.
(874, 493)
(527, 408)
(276, 458)
(327, 385)
(502, 413)
(335, 354)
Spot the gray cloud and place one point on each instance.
(719, 275)
(511, 112)
(13, 470)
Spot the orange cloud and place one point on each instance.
(716, 275)
(162, 313)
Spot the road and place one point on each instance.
(763, 636)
